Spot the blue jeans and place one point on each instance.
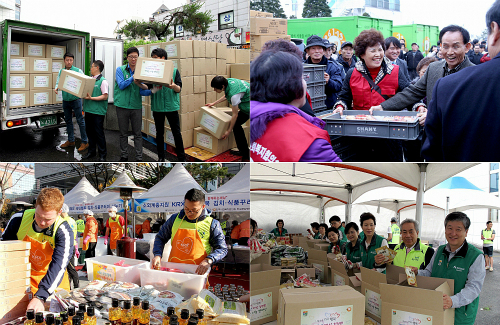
(69, 108)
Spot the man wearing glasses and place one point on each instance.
(196, 237)
(128, 102)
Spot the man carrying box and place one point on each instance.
(51, 241)
(165, 103)
(72, 104)
(412, 252)
(128, 102)
(96, 107)
(462, 262)
(237, 92)
(196, 237)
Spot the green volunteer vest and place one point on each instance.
(166, 99)
(72, 224)
(236, 86)
(396, 233)
(67, 97)
(458, 269)
(26, 228)
(317, 236)
(129, 97)
(368, 256)
(353, 253)
(99, 107)
(416, 257)
(80, 225)
(276, 232)
(487, 234)
(203, 228)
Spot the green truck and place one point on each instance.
(79, 43)
(424, 35)
(337, 29)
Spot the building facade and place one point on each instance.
(20, 180)
(10, 9)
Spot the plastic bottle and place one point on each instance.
(174, 318)
(201, 317)
(174, 322)
(80, 314)
(59, 321)
(77, 321)
(115, 313)
(39, 319)
(91, 318)
(49, 319)
(83, 307)
(195, 317)
(127, 317)
(136, 309)
(30, 317)
(64, 317)
(71, 314)
(145, 313)
(166, 318)
(192, 321)
(184, 317)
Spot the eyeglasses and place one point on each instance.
(192, 211)
(132, 57)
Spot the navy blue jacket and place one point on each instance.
(463, 117)
(217, 239)
(334, 84)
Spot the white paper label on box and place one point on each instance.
(56, 66)
(209, 122)
(153, 69)
(142, 51)
(143, 111)
(403, 317)
(41, 98)
(261, 306)
(152, 128)
(373, 303)
(59, 99)
(171, 50)
(169, 137)
(72, 84)
(320, 267)
(35, 50)
(17, 82)
(17, 64)
(18, 100)
(41, 82)
(142, 125)
(204, 140)
(329, 315)
(338, 280)
(143, 99)
(15, 49)
(56, 52)
(41, 65)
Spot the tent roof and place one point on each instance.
(240, 183)
(109, 196)
(82, 192)
(457, 182)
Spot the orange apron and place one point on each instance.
(90, 230)
(116, 231)
(187, 247)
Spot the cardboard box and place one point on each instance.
(34, 50)
(15, 269)
(211, 50)
(231, 56)
(242, 56)
(14, 300)
(214, 121)
(308, 306)
(199, 49)
(186, 121)
(210, 66)
(151, 47)
(187, 86)
(265, 258)
(199, 67)
(76, 83)
(15, 291)
(155, 71)
(199, 84)
(297, 238)
(208, 142)
(312, 242)
(268, 26)
(15, 261)
(221, 51)
(240, 71)
(258, 41)
(198, 103)
(185, 66)
(41, 97)
(210, 97)
(255, 13)
(150, 128)
(40, 65)
(265, 284)
(9, 313)
(253, 55)
(143, 125)
(221, 67)
(19, 65)
(40, 81)
(340, 277)
(57, 65)
(16, 49)
(55, 51)
(322, 247)
(192, 117)
(310, 271)
(179, 49)
(57, 98)
(54, 80)
(19, 99)
(15, 276)
(318, 259)
(208, 79)
(23, 282)
(143, 51)
(186, 103)
(187, 137)
(19, 82)
(424, 305)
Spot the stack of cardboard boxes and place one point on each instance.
(263, 28)
(198, 63)
(15, 271)
(33, 74)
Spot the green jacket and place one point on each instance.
(353, 253)
(236, 86)
(368, 255)
(129, 97)
(166, 99)
(276, 232)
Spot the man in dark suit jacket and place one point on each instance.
(463, 119)
(392, 51)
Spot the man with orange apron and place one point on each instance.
(52, 244)
(196, 237)
(146, 226)
(115, 226)
(89, 236)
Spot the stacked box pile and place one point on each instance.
(314, 75)
(263, 28)
(198, 63)
(15, 272)
(33, 74)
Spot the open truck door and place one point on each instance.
(109, 51)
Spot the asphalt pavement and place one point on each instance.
(489, 302)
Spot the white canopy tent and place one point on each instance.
(102, 202)
(78, 198)
(232, 196)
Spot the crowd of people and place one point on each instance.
(370, 74)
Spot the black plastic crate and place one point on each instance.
(335, 125)
(322, 111)
(316, 89)
(318, 103)
(314, 73)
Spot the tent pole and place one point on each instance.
(447, 206)
(348, 206)
(321, 210)
(420, 194)
(133, 217)
(397, 212)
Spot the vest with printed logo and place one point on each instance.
(129, 97)
(368, 255)
(203, 228)
(236, 86)
(416, 257)
(98, 107)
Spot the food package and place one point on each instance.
(96, 284)
(166, 299)
(304, 281)
(211, 304)
(233, 312)
(121, 263)
(411, 277)
(388, 253)
(369, 321)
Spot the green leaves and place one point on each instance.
(316, 8)
(271, 6)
